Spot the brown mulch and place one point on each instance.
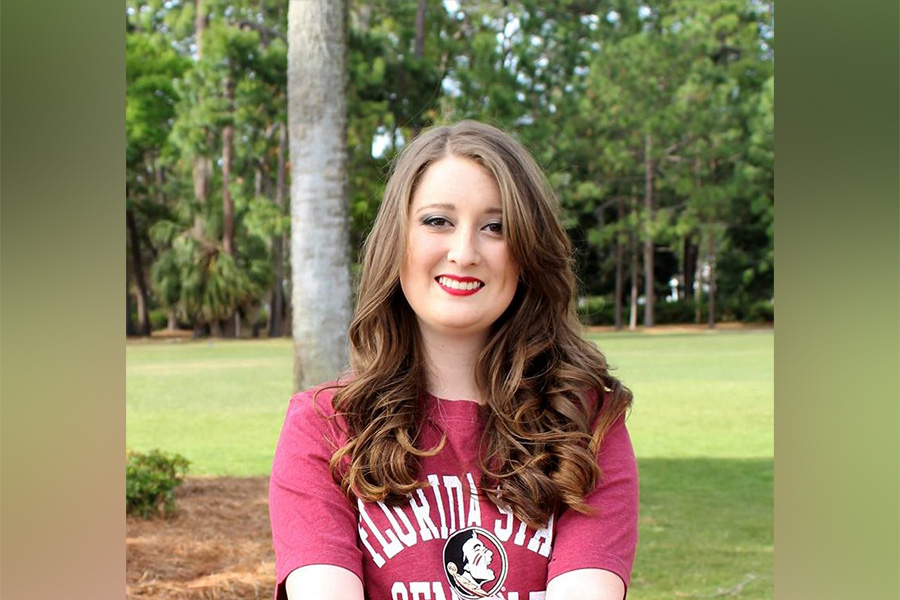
(216, 547)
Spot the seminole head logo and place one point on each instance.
(475, 563)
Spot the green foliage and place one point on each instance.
(583, 85)
(150, 482)
(597, 310)
(151, 67)
(600, 310)
(263, 218)
(159, 319)
(761, 311)
(680, 311)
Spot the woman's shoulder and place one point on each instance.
(311, 416)
(318, 399)
(606, 410)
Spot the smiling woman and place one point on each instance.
(478, 444)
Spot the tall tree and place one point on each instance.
(649, 296)
(151, 65)
(620, 266)
(276, 299)
(317, 124)
(137, 270)
(202, 170)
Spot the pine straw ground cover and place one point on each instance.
(216, 547)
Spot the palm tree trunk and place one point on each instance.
(227, 153)
(232, 326)
(202, 166)
(320, 252)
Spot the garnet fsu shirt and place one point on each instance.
(448, 541)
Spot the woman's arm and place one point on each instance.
(586, 584)
(323, 582)
(593, 553)
(314, 527)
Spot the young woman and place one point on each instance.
(477, 446)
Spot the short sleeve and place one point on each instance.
(312, 521)
(607, 538)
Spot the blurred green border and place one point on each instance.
(837, 347)
(62, 263)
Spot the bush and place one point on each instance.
(680, 311)
(262, 317)
(761, 311)
(600, 310)
(596, 310)
(159, 319)
(150, 482)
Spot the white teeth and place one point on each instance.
(459, 285)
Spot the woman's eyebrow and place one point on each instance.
(494, 210)
(442, 206)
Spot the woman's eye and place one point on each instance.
(436, 222)
(494, 227)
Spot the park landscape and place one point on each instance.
(702, 427)
(654, 122)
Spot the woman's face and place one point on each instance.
(458, 275)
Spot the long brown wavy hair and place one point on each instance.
(550, 396)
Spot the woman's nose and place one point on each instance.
(463, 248)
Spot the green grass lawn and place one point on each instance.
(702, 426)
(218, 403)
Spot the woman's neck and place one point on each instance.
(450, 364)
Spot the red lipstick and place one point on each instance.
(459, 286)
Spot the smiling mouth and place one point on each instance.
(457, 287)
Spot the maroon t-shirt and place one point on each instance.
(448, 541)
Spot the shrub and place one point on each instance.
(150, 482)
(600, 310)
(596, 310)
(262, 317)
(680, 311)
(159, 319)
(761, 311)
